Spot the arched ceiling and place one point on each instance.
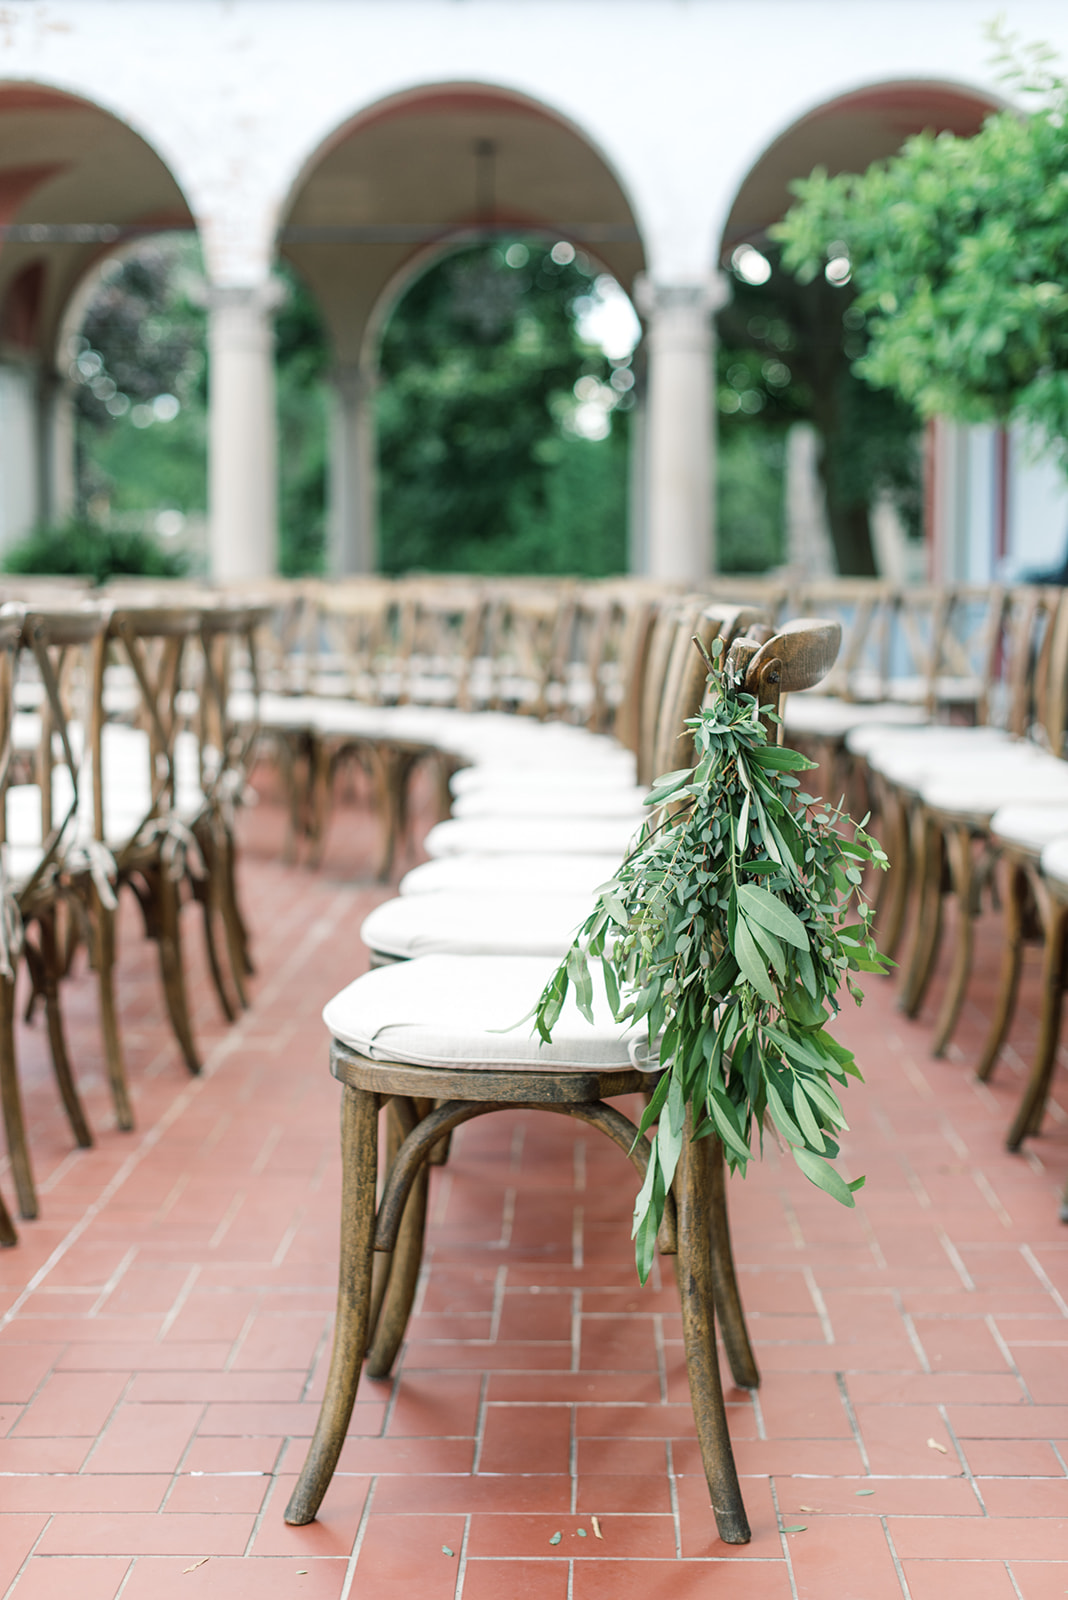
(424, 168)
(74, 181)
(847, 135)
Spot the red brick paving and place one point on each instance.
(165, 1328)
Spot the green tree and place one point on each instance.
(958, 249)
(785, 354)
(479, 363)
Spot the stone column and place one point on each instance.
(353, 488)
(242, 441)
(62, 453)
(680, 427)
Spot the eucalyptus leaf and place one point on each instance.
(688, 942)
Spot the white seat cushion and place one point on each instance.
(825, 716)
(467, 1011)
(475, 924)
(507, 875)
(1055, 861)
(574, 801)
(1030, 827)
(534, 836)
(977, 794)
(542, 777)
(871, 738)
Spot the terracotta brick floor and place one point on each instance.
(165, 1327)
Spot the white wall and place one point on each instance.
(18, 453)
(681, 96)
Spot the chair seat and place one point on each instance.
(825, 716)
(871, 738)
(515, 874)
(467, 1011)
(974, 795)
(468, 923)
(543, 777)
(1055, 862)
(531, 836)
(510, 801)
(912, 768)
(1030, 827)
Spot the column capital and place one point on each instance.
(259, 298)
(700, 298)
(354, 381)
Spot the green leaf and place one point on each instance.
(762, 906)
(805, 1119)
(751, 962)
(778, 758)
(819, 1172)
(781, 1117)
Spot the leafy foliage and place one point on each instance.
(959, 251)
(79, 549)
(477, 474)
(726, 930)
(785, 354)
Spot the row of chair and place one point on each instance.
(120, 765)
(972, 810)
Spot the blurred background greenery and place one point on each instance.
(503, 426)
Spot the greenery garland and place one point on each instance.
(725, 930)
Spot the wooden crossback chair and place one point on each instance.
(426, 1031)
(49, 651)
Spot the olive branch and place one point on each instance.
(726, 930)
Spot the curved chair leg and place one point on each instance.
(172, 972)
(930, 856)
(235, 933)
(1016, 893)
(962, 880)
(8, 1236)
(1028, 1118)
(103, 924)
(359, 1158)
(11, 1098)
(696, 1287)
(744, 1369)
(386, 771)
(403, 1278)
(48, 957)
(206, 898)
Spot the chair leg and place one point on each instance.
(359, 1155)
(696, 1288)
(11, 1098)
(206, 898)
(962, 873)
(403, 1278)
(894, 889)
(396, 1275)
(8, 1236)
(930, 857)
(172, 972)
(1016, 892)
(223, 884)
(744, 1369)
(48, 957)
(103, 924)
(1028, 1118)
(321, 766)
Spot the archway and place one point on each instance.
(786, 352)
(75, 183)
(427, 172)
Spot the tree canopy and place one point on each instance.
(958, 250)
(480, 466)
